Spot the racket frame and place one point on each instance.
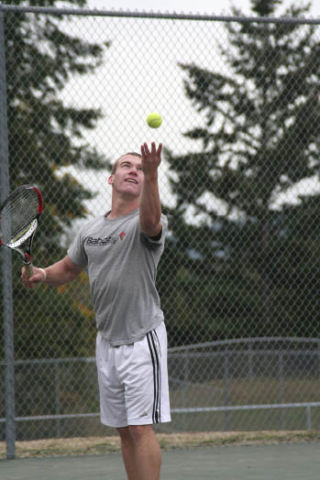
(28, 236)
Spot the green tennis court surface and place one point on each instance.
(271, 462)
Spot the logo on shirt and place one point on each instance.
(103, 241)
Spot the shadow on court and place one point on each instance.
(271, 462)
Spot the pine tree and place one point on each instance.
(45, 135)
(260, 139)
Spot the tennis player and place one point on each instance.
(121, 251)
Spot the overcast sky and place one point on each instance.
(140, 74)
(217, 7)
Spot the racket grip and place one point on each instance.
(29, 269)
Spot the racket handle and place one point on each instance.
(29, 269)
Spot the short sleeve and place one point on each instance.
(159, 241)
(77, 252)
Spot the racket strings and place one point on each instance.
(18, 214)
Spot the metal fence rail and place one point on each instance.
(239, 182)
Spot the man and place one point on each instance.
(121, 251)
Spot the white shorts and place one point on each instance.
(133, 380)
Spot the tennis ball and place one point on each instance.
(154, 120)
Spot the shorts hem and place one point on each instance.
(112, 424)
(147, 421)
(134, 421)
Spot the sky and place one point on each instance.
(140, 74)
(216, 7)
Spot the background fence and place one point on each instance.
(239, 181)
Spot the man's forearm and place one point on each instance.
(61, 272)
(150, 206)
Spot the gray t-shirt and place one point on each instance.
(121, 262)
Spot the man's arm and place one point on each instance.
(59, 273)
(150, 206)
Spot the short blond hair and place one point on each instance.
(115, 164)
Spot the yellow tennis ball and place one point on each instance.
(154, 120)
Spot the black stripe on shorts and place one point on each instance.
(156, 376)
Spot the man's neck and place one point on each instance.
(119, 209)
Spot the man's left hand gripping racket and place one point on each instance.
(19, 217)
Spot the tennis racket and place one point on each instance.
(19, 217)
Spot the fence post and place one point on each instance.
(308, 416)
(57, 398)
(226, 375)
(184, 390)
(6, 259)
(281, 390)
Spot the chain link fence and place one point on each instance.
(239, 181)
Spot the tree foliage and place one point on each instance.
(44, 135)
(254, 274)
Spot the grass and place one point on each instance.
(103, 445)
(247, 392)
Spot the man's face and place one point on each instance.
(128, 177)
